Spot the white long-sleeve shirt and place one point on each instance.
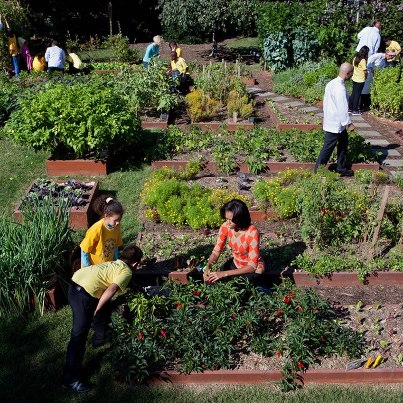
(335, 107)
(370, 37)
(375, 61)
(55, 57)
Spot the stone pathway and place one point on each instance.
(389, 157)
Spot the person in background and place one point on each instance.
(25, 53)
(359, 77)
(243, 239)
(90, 293)
(75, 63)
(103, 238)
(153, 50)
(178, 65)
(55, 57)
(393, 49)
(378, 60)
(13, 51)
(39, 63)
(370, 37)
(174, 48)
(336, 121)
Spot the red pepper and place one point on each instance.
(286, 300)
(291, 294)
(299, 308)
(196, 293)
(279, 312)
(140, 336)
(322, 340)
(178, 306)
(163, 333)
(209, 282)
(278, 353)
(233, 316)
(300, 364)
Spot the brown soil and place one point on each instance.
(290, 115)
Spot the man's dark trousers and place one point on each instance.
(331, 139)
(83, 306)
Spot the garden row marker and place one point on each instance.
(378, 223)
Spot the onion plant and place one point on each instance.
(31, 254)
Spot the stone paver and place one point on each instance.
(394, 163)
(254, 90)
(320, 114)
(310, 109)
(267, 94)
(386, 152)
(369, 133)
(280, 99)
(362, 124)
(378, 142)
(396, 173)
(295, 103)
(357, 119)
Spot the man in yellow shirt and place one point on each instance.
(75, 63)
(392, 48)
(89, 294)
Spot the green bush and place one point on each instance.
(79, 119)
(197, 327)
(120, 47)
(387, 93)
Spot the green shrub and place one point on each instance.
(79, 119)
(120, 47)
(387, 93)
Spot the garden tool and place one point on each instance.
(243, 186)
(355, 364)
(244, 177)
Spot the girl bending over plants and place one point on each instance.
(243, 239)
(103, 239)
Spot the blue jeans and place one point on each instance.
(16, 65)
(145, 64)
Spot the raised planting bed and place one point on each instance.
(154, 124)
(251, 377)
(80, 194)
(230, 126)
(270, 166)
(77, 167)
(286, 118)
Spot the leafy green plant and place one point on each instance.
(120, 47)
(224, 156)
(79, 119)
(200, 106)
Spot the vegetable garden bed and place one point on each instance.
(294, 120)
(73, 167)
(81, 214)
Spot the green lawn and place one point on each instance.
(32, 353)
(249, 42)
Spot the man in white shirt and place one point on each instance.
(336, 121)
(55, 58)
(370, 37)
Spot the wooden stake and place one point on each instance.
(379, 217)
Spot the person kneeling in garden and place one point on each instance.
(243, 239)
(89, 296)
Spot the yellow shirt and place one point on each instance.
(100, 242)
(179, 65)
(77, 63)
(393, 47)
(96, 279)
(179, 52)
(39, 64)
(359, 71)
(12, 46)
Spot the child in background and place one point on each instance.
(39, 63)
(103, 239)
(359, 77)
(174, 48)
(25, 53)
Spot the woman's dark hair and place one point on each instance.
(105, 205)
(131, 254)
(240, 213)
(172, 44)
(361, 54)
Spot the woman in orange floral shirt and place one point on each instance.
(243, 239)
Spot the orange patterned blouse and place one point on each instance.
(244, 246)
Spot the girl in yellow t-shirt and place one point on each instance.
(359, 76)
(103, 239)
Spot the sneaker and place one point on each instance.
(356, 113)
(346, 173)
(350, 111)
(80, 387)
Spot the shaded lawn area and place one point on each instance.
(32, 353)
